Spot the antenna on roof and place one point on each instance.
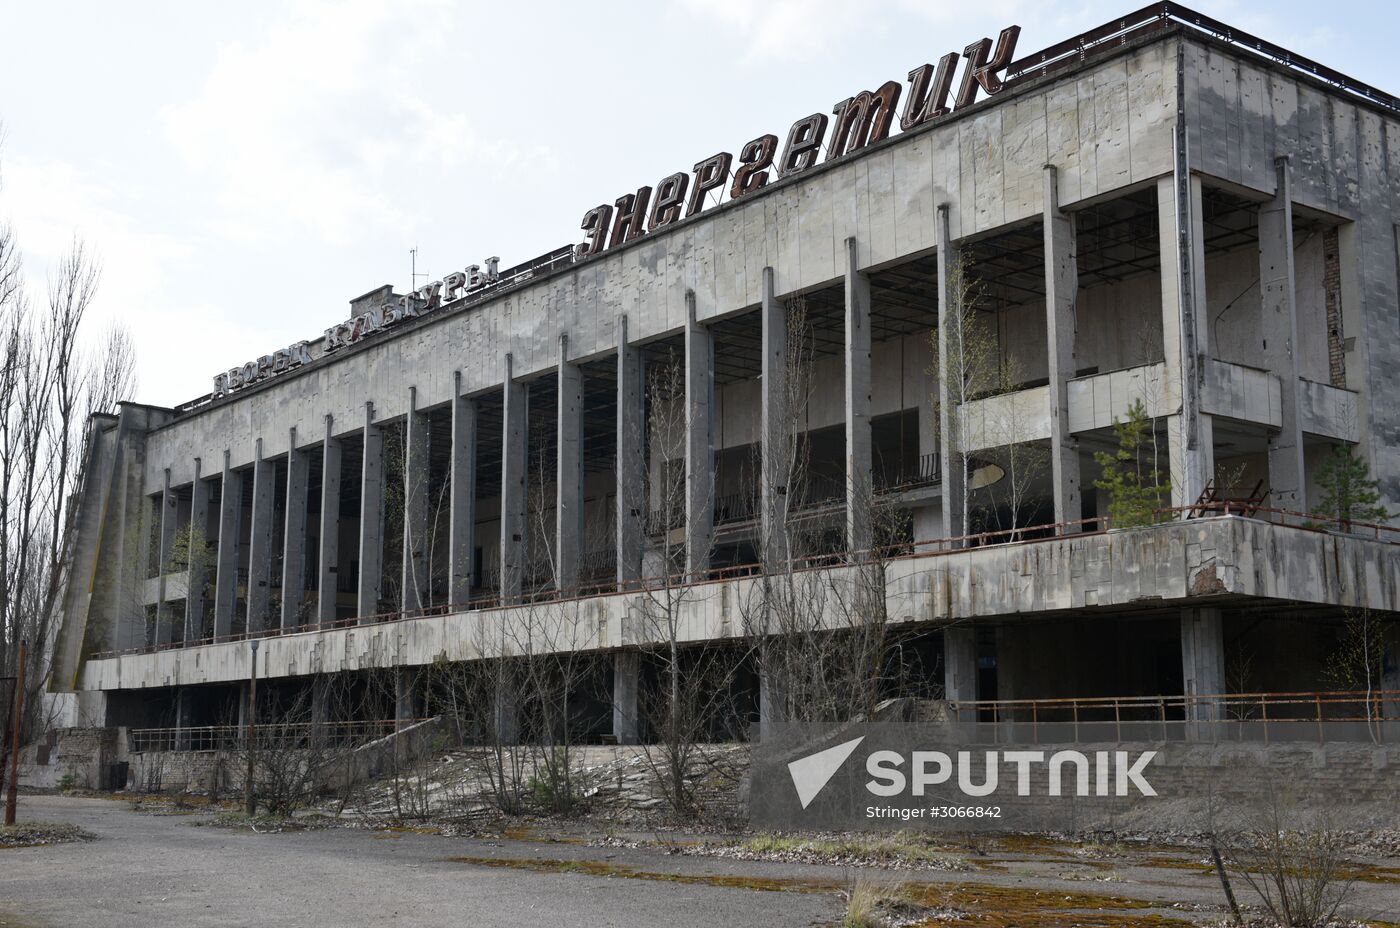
(413, 274)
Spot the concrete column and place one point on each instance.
(242, 707)
(960, 664)
(859, 489)
(950, 464)
(699, 441)
(371, 519)
(506, 713)
(514, 451)
(461, 517)
(1190, 437)
(631, 459)
(226, 567)
(259, 594)
(568, 481)
(320, 699)
(1390, 682)
(132, 539)
(928, 516)
(772, 703)
(196, 599)
(405, 701)
(328, 554)
(1061, 323)
(416, 590)
(1287, 486)
(776, 427)
(627, 672)
(167, 520)
(184, 717)
(294, 536)
(1202, 660)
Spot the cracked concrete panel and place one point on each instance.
(983, 150)
(884, 210)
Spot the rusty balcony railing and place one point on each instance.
(284, 735)
(1317, 716)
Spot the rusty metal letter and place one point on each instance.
(986, 73)
(755, 158)
(980, 71)
(595, 226)
(929, 101)
(453, 283)
(863, 119)
(629, 221)
(710, 174)
(804, 145)
(670, 199)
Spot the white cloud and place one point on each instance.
(798, 30)
(51, 202)
(784, 30)
(298, 131)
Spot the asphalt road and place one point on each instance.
(159, 870)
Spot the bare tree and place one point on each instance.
(1007, 419)
(694, 692)
(1358, 662)
(966, 359)
(48, 387)
(818, 615)
(1288, 849)
(550, 640)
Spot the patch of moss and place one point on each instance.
(968, 904)
(900, 847)
(1016, 907)
(606, 868)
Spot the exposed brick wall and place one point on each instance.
(1332, 288)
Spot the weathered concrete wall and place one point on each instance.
(1345, 159)
(71, 757)
(1180, 561)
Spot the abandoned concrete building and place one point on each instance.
(1162, 210)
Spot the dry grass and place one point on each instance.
(899, 848)
(868, 902)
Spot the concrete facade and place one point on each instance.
(1233, 170)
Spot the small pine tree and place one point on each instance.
(1349, 494)
(1131, 477)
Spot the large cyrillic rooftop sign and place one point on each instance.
(860, 120)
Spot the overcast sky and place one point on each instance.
(244, 169)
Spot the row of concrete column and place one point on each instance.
(1189, 433)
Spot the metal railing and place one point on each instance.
(736, 507)
(283, 735)
(1306, 716)
(906, 550)
(926, 470)
(1073, 53)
